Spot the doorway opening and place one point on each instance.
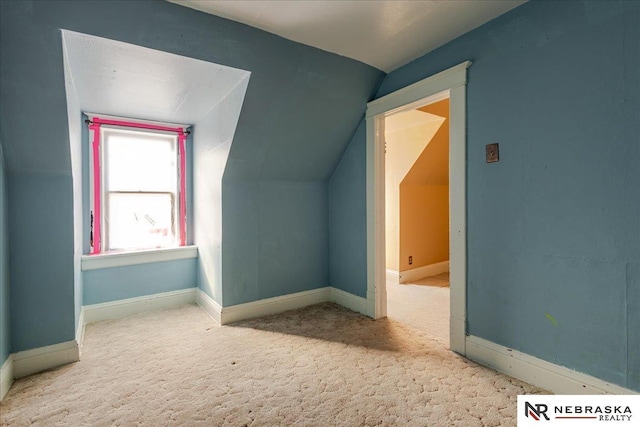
(417, 217)
(449, 84)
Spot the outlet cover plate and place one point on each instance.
(493, 154)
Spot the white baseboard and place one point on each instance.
(250, 310)
(235, 313)
(40, 359)
(222, 315)
(350, 301)
(211, 307)
(457, 340)
(43, 358)
(80, 329)
(393, 276)
(424, 271)
(377, 304)
(543, 374)
(6, 376)
(127, 307)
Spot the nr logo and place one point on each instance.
(536, 411)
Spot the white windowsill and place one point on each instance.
(121, 259)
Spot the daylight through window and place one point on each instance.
(138, 186)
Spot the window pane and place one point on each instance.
(138, 161)
(140, 221)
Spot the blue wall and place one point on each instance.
(112, 284)
(280, 241)
(5, 319)
(301, 109)
(41, 260)
(554, 227)
(347, 218)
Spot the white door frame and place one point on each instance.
(452, 83)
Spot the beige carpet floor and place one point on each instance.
(318, 366)
(422, 305)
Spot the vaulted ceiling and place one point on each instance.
(384, 34)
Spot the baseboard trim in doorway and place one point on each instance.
(43, 358)
(6, 376)
(555, 378)
(393, 276)
(424, 271)
(127, 307)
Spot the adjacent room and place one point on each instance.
(316, 212)
(417, 217)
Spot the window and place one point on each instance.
(138, 185)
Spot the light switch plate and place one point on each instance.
(492, 153)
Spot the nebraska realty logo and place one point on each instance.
(574, 410)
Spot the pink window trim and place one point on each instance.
(136, 125)
(95, 126)
(97, 190)
(183, 189)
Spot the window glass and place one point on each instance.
(140, 192)
(137, 161)
(140, 220)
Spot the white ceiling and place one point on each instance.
(408, 119)
(116, 78)
(385, 34)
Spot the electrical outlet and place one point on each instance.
(410, 260)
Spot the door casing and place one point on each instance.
(450, 83)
